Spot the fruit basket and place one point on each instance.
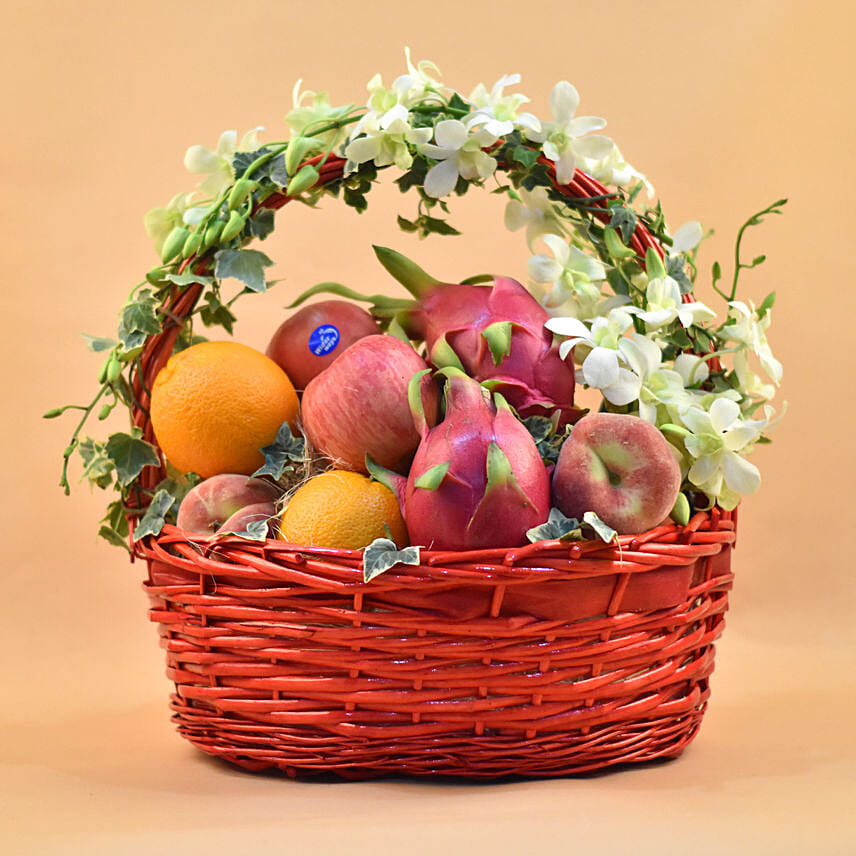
(582, 649)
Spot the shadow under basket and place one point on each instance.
(543, 660)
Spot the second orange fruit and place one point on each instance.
(215, 404)
(342, 509)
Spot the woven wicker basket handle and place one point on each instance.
(179, 306)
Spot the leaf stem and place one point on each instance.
(63, 482)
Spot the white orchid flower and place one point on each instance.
(385, 142)
(750, 330)
(313, 114)
(535, 211)
(687, 237)
(716, 439)
(459, 153)
(419, 81)
(573, 274)
(600, 367)
(748, 382)
(563, 140)
(664, 305)
(217, 164)
(613, 169)
(496, 112)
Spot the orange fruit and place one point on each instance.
(215, 404)
(342, 509)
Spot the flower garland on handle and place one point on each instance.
(617, 283)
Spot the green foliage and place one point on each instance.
(155, 515)
(280, 456)
(138, 320)
(248, 266)
(129, 454)
(556, 528)
(383, 554)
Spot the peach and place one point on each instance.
(621, 468)
(307, 342)
(216, 501)
(239, 521)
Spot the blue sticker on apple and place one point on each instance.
(323, 340)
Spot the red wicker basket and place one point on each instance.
(542, 660)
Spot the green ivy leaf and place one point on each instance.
(248, 266)
(97, 465)
(457, 103)
(624, 220)
(355, 198)
(155, 517)
(279, 455)
(277, 171)
(415, 176)
(525, 155)
(540, 427)
(138, 320)
(98, 343)
(262, 223)
(556, 528)
(189, 278)
(604, 532)
(216, 313)
(676, 269)
(383, 554)
(129, 453)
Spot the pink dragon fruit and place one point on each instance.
(495, 334)
(477, 479)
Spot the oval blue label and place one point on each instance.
(323, 340)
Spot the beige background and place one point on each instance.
(726, 106)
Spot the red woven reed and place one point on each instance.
(541, 660)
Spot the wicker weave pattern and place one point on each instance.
(283, 657)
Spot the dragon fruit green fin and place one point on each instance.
(433, 477)
(408, 273)
(442, 355)
(387, 478)
(498, 337)
(414, 399)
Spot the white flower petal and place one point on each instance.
(564, 100)
(705, 468)
(687, 237)
(594, 147)
(450, 134)
(739, 436)
(691, 368)
(544, 269)
(585, 125)
(441, 178)
(723, 413)
(559, 246)
(600, 368)
(625, 389)
(566, 165)
(200, 160)
(740, 475)
(568, 327)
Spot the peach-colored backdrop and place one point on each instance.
(726, 106)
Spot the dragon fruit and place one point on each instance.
(493, 333)
(477, 479)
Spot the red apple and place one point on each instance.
(311, 339)
(217, 499)
(359, 405)
(621, 468)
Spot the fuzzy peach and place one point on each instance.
(215, 501)
(621, 468)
